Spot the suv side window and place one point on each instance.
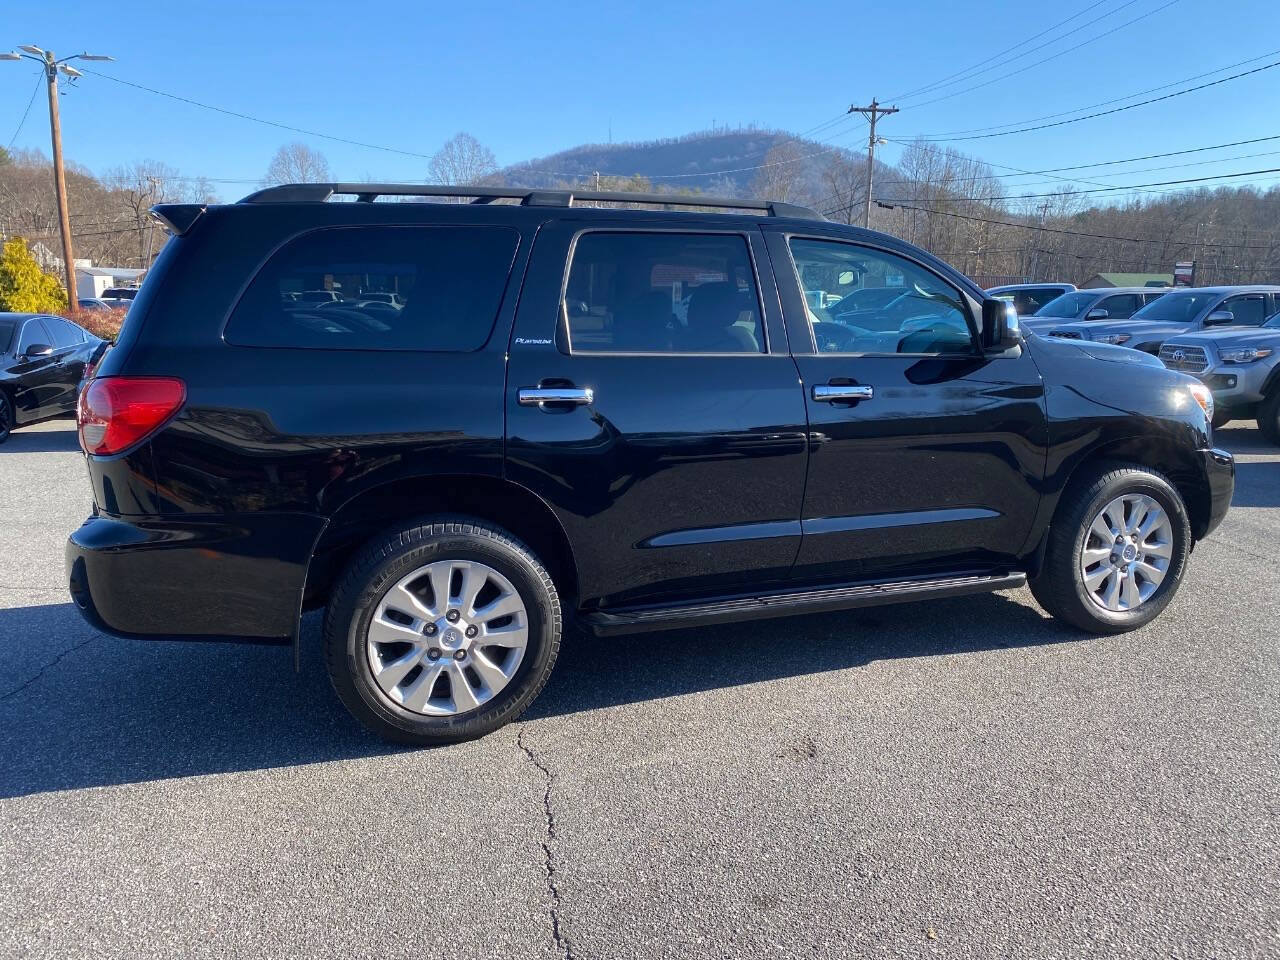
(1122, 305)
(1249, 309)
(449, 282)
(662, 293)
(33, 332)
(862, 300)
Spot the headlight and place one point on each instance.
(1116, 338)
(1203, 396)
(1245, 354)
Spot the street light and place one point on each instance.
(52, 66)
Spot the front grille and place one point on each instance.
(1190, 359)
(1065, 334)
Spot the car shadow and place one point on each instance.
(41, 441)
(1257, 484)
(108, 711)
(1243, 436)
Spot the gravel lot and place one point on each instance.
(962, 778)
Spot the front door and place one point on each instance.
(926, 454)
(652, 402)
(38, 378)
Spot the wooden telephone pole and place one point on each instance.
(873, 113)
(52, 66)
(60, 177)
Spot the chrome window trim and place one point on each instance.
(562, 327)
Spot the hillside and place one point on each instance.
(714, 162)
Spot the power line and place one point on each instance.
(26, 112)
(1101, 103)
(1111, 163)
(1045, 229)
(269, 123)
(1104, 113)
(961, 74)
(1048, 59)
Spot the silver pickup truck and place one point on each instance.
(1241, 365)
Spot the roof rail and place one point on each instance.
(368, 192)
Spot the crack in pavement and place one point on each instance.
(44, 669)
(549, 866)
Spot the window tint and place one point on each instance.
(448, 283)
(911, 310)
(6, 333)
(1068, 306)
(662, 293)
(1121, 306)
(64, 334)
(33, 332)
(1249, 311)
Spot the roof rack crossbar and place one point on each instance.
(367, 192)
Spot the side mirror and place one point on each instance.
(1219, 318)
(37, 350)
(1000, 329)
(1097, 313)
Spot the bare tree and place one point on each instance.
(782, 176)
(462, 160)
(297, 163)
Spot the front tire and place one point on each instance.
(442, 632)
(1117, 550)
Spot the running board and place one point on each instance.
(643, 619)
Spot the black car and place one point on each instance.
(42, 362)
(623, 419)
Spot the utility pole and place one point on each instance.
(872, 113)
(52, 67)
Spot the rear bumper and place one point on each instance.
(236, 578)
(1220, 478)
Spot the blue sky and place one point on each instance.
(536, 78)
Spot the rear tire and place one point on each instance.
(1269, 416)
(1115, 589)
(418, 641)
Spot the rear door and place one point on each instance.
(926, 455)
(68, 355)
(670, 439)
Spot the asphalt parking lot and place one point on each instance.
(962, 778)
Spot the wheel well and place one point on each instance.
(1178, 465)
(498, 501)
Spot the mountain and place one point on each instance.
(723, 162)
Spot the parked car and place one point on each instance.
(92, 303)
(42, 361)
(1240, 364)
(1109, 303)
(120, 293)
(1027, 298)
(1182, 311)
(537, 438)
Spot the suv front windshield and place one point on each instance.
(1175, 307)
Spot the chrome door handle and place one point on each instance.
(536, 396)
(836, 393)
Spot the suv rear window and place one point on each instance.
(662, 293)
(448, 284)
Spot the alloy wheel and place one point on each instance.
(1127, 552)
(447, 638)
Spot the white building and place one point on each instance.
(91, 281)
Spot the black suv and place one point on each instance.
(457, 426)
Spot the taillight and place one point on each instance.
(114, 413)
